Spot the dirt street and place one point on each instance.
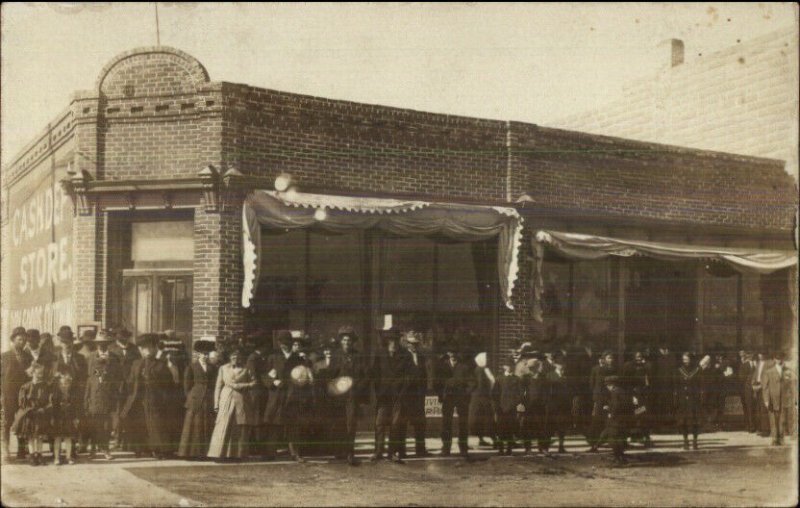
(732, 469)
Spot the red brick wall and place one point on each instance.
(590, 174)
(348, 146)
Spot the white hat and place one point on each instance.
(480, 360)
(301, 375)
(340, 385)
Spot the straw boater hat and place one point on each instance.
(411, 337)
(65, 332)
(101, 336)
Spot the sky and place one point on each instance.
(526, 62)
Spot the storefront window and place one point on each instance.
(720, 297)
(592, 298)
(408, 274)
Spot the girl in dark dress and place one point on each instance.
(35, 413)
(67, 413)
(688, 389)
(198, 382)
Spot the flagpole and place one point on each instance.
(158, 33)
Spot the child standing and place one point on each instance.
(102, 390)
(66, 414)
(33, 418)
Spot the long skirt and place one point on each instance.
(229, 439)
(198, 425)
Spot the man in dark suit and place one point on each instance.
(388, 376)
(508, 396)
(606, 367)
(347, 363)
(70, 362)
(637, 375)
(455, 383)
(256, 362)
(744, 375)
(276, 381)
(777, 388)
(13, 364)
(124, 353)
(414, 400)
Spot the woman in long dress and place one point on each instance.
(199, 385)
(235, 412)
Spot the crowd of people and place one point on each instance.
(248, 399)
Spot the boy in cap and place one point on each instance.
(619, 411)
(13, 364)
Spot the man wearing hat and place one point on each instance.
(455, 383)
(256, 362)
(148, 401)
(276, 381)
(606, 367)
(68, 361)
(413, 412)
(13, 364)
(126, 354)
(324, 407)
(347, 363)
(388, 376)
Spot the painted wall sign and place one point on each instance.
(39, 252)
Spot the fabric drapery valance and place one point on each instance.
(458, 222)
(587, 247)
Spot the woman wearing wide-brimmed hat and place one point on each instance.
(236, 416)
(148, 401)
(199, 381)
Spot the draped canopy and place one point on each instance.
(587, 247)
(460, 222)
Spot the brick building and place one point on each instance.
(151, 201)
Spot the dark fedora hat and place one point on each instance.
(284, 337)
(148, 340)
(20, 330)
(65, 332)
(204, 345)
(347, 331)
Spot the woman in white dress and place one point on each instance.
(236, 414)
